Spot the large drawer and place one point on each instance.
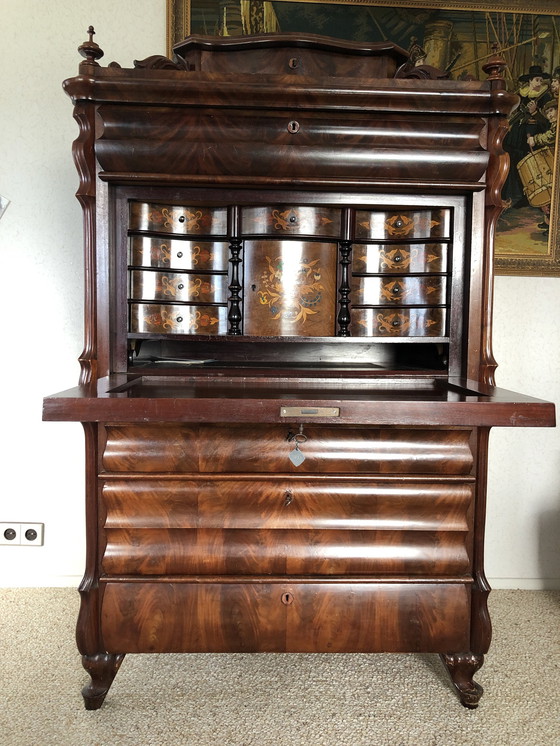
(285, 552)
(265, 616)
(181, 448)
(350, 503)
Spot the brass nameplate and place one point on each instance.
(309, 412)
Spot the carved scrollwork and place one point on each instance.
(462, 667)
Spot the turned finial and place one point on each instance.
(495, 65)
(89, 49)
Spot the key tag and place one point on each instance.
(296, 456)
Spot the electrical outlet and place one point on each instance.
(22, 534)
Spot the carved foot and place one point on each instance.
(462, 667)
(102, 668)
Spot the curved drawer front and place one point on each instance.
(402, 225)
(399, 258)
(180, 219)
(285, 617)
(291, 220)
(393, 291)
(171, 447)
(177, 286)
(175, 319)
(284, 552)
(398, 322)
(203, 256)
(286, 503)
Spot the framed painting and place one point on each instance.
(457, 36)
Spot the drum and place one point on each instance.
(535, 172)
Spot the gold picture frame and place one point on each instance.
(523, 245)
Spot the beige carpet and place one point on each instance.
(277, 700)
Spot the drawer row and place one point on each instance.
(213, 288)
(213, 256)
(285, 527)
(296, 220)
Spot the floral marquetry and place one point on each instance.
(291, 220)
(290, 288)
(211, 221)
(174, 319)
(403, 224)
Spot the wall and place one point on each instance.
(41, 308)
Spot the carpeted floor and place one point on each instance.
(280, 700)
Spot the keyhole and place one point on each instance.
(293, 127)
(288, 498)
(287, 599)
(293, 63)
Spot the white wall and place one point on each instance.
(41, 312)
(41, 258)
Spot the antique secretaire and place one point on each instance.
(287, 381)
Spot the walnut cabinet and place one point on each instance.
(287, 382)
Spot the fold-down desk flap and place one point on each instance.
(376, 402)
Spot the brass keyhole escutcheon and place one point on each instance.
(288, 497)
(293, 63)
(293, 127)
(287, 599)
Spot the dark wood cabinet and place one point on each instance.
(287, 379)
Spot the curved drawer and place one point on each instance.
(284, 552)
(203, 256)
(181, 448)
(402, 224)
(350, 503)
(175, 319)
(398, 322)
(179, 219)
(294, 617)
(399, 258)
(396, 291)
(293, 220)
(177, 286)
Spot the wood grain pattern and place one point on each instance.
(265, 448)
(252, 617)
(284, 552)
(296, 220)
(252, 502)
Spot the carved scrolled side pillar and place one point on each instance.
(498, 166)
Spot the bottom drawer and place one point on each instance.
(285, 617)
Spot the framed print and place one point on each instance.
(456, 36)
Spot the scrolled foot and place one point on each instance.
(462, 667)
(102, 669)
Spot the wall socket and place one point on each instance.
(22, 534)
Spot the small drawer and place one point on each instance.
(398, 322)
(401, 258)
(148, 318)
(175, 286)
(398, 291)
(180, 219)
(402, 225)
(204, 256)
(291, 220)
(314, 617)
(290, 288)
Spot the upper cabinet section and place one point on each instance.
(290, 54)
(284, 110)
